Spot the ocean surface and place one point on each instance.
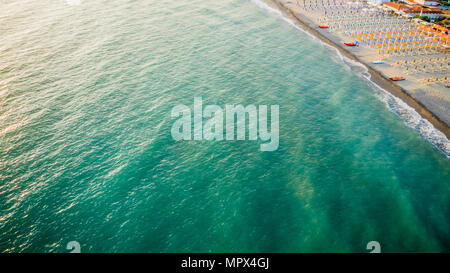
(86, 154)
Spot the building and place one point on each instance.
(446, 13)
(427, 2)
(377, 2)
(421, 2)
(413, 10)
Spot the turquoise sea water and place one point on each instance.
(86, 153)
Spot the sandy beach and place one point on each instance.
(431, 101)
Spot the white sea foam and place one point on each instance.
(408, 114)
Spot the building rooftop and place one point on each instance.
(412, 8)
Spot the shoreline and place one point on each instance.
(376, 76)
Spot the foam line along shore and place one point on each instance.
(430, 112)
